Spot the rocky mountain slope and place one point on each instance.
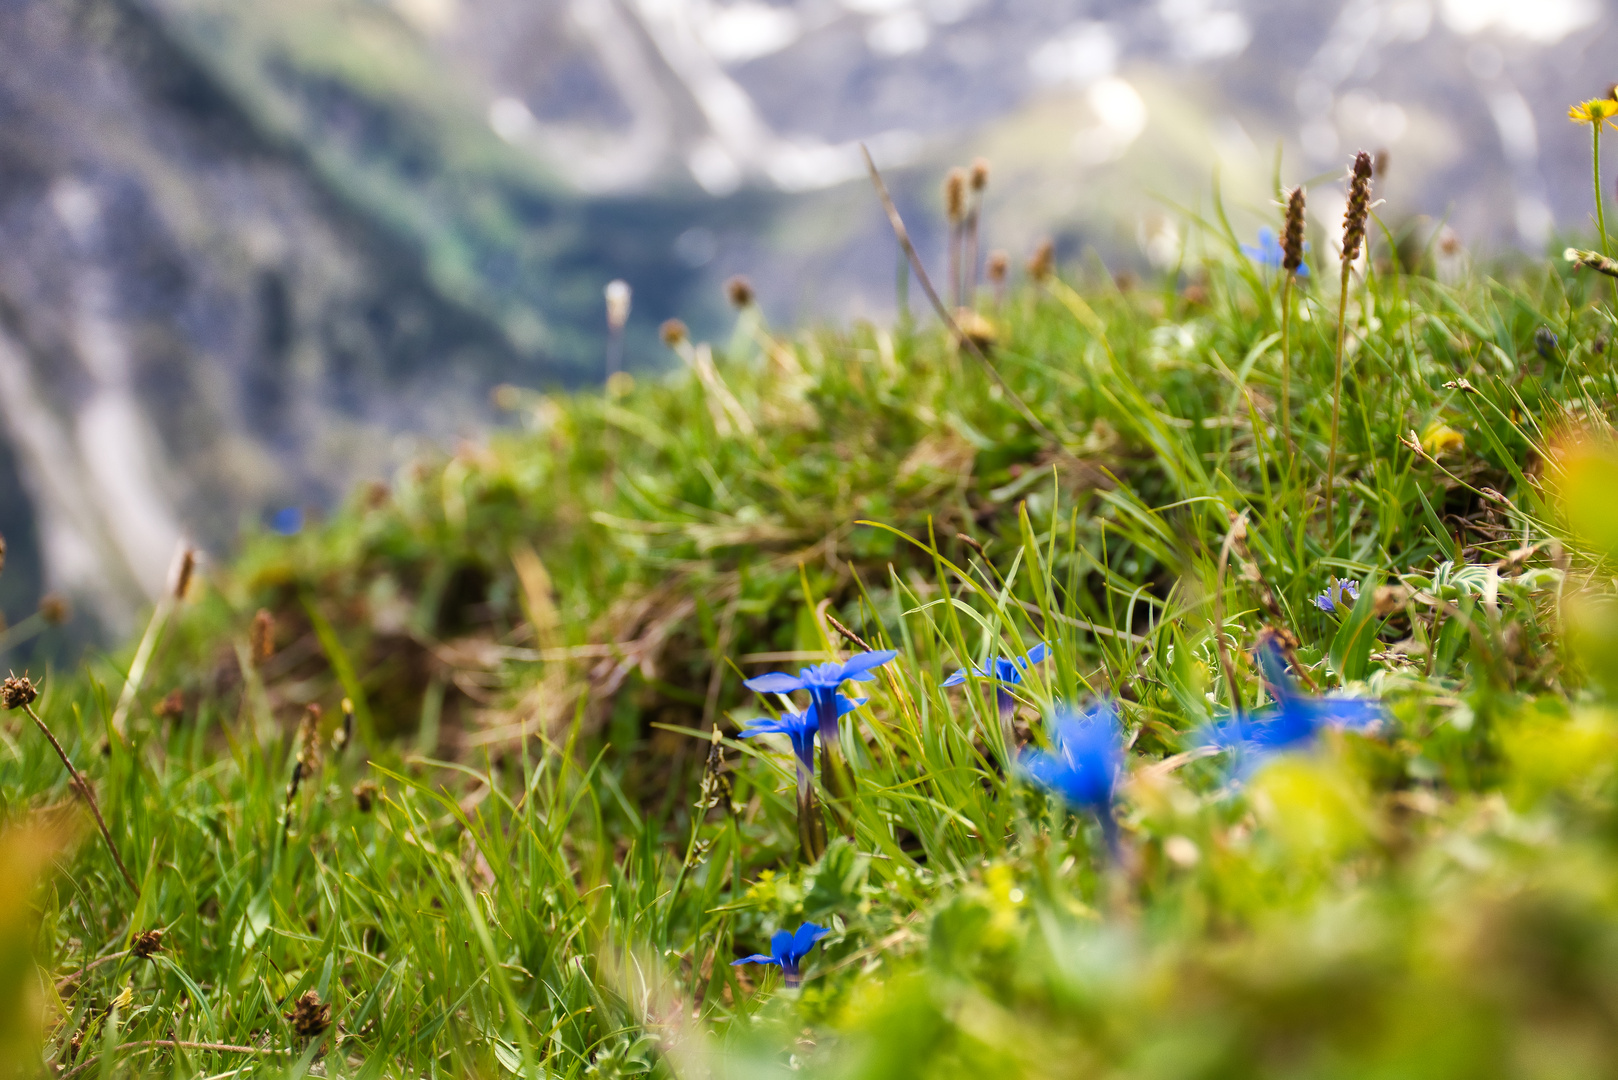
(192, 327)
(244, 248)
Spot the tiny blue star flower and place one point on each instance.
(1293, 721)
(287, 521)
(1341, 591)
(787, 950)
(800, 728)
(1268, 252)
(1083, 763)
(822, 681)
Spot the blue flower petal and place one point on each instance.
(765, 726)
(805, 938)
(781, 948)
(1353, 714)
(858, 667)
(776, 682)
(756, 958)
(1036, 654)
(1087, 755)
(956, 679)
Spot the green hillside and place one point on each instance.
(528, 857)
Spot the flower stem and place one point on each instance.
(1595, 176)
(83, 787)
(838, 779)
(1336, 404)
(835, 773)
(811, 826)
(1286, 361)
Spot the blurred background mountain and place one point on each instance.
(250, 253)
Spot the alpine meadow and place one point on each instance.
(1209, 675)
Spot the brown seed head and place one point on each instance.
(1359, 207)
(673, 333)
(2, 553)
(1292, 236)
(309, 740)
(147, 943)
(17, 691)
(955, 196)
(376, 495)
(1043, 262)
(309, 1017)
(365, 795)
(980, 174)
(999, 265)
(182, 576)
(739, 291)
(261, 636)
(172, 707)
(55, 608)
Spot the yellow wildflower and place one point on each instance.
(1439, 437)
(1597, 111)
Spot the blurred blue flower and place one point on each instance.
(287, 521)
(1083, 763)
(787, 950)
(822, 681)
(1268, 252)
(1003, 671)
(1340, 591)
(1545, 342)
(1294, 720)
(800, 728)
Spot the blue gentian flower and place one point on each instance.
(822, 681)
(787, 950)
(1294, 720)
(1545, 342)
(287, 521)
(1341, 591)
(1004, 672)
(801, 729)
(1083, 763)
(1268, 252)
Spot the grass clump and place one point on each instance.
(454, 784)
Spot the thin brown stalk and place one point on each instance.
(1286, 363)
(979, 180)
(1359, 208)
(83, 787)
(903, 235)
(66, 981)
(847, 633)
(1291, 263)
(1238, 531)
(1336, 403)
(954, 213)
(175, 1044)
